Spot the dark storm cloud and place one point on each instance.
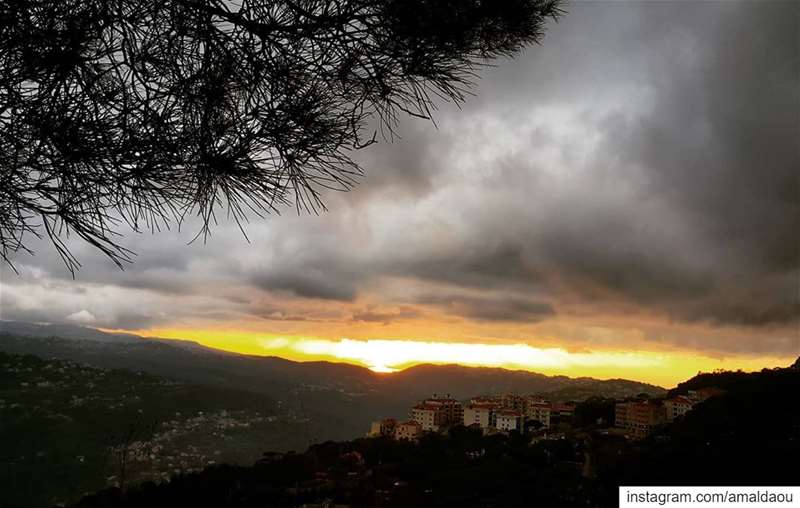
(721, 146)
(133, 321)
(722, 141)
(602, 254)
(404, 165)
(310, 282)
(687, 201)
(272, 312)
(743, 312)
(488, 308)
(717, 150)
(474, 263)
(371, 315)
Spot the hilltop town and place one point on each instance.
(633, 418)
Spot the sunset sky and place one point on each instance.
(621, 201)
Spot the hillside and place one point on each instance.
(60, 422)
(748, 436)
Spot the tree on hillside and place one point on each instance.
(146, 112)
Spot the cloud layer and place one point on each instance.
(638, 172)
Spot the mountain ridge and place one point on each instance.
(68, 331)
(346, 396)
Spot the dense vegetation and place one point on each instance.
(749, 435)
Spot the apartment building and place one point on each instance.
(453, 411)
(539, 411)
(430, 417)
(483, 415)
(508, 420)
(562, 409)
(437, 412)
(639, 417)
(677, 406)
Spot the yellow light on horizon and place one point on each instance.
(661, 367)
(388, 355)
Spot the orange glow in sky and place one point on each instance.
(664, 368)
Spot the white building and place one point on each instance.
(508, 420)
(482, 415)
(430, 417)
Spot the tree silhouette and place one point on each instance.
(146, 112)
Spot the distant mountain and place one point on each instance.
(348, 397)
(463, 382)
(64, 331)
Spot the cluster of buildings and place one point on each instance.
(511, 412)
(638, 418)
(500, 413)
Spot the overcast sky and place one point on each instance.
(630, 184)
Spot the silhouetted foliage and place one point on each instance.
(594, 410)
(146, 112)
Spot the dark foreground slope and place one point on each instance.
(749, 436)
